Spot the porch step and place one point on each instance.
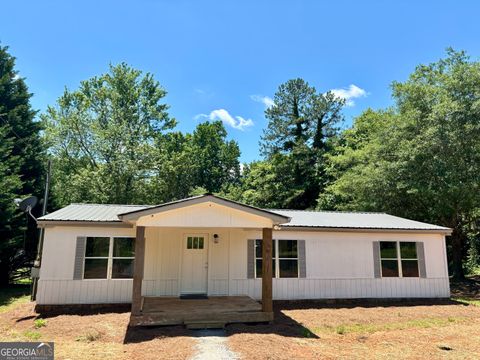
(205, 325)
(214, 311)
(156, 319)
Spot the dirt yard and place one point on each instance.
(303, 330)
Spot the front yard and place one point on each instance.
(448, 329)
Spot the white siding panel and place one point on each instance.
(84, 291)
(339, 265)
(295, 289)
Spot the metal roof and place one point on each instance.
(353, 220)
(91, 212)
(299, 218)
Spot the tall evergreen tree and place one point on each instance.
(301, 125)
(21, 169)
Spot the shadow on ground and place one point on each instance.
(282, 324)
(8, 294)
(468, 288)
(80, 310)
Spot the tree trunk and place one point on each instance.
(457, 254)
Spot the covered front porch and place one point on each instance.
(188, 257)
(212, 311)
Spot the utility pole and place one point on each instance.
(35, 273)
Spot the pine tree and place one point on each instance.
(21, 169)
(301, 123)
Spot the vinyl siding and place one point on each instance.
(338, 265)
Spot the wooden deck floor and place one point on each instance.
(216, 310)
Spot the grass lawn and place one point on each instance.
(301, 330)
(14, 296)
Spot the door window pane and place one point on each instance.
(388, 250)
(408, 250)
(195, 243)
(389, 268)
(287, 249)
(200, 242)
(288, 268)
(97, 247)
(95, 269)
(410, 268)
(189, 242)
(123, 247)
(122, 268)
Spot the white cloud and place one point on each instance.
(203, 93)
(236, 122)
(265, 100)
(350, 93)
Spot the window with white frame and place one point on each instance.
(399, 259)
(109, 258)
(285, 265)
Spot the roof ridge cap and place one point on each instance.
(332, 211)
(96, 204)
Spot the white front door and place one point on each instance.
(195, 264)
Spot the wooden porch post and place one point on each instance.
(267, 304)
(138, 271)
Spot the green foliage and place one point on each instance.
(215, 158)
(302, 124)
(420, 159)
(101, 136)
(268, 183)
(20, 170)
(111, 142)
(39, 323)
(32, 335)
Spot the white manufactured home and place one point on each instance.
(212, 248)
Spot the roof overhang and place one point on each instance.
(80, 223)
(445, 231)
(133, 216)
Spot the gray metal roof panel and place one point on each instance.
(91, 212)
(352, 220)
(299, 218)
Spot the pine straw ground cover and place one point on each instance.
(94, 336)
(312, 330)
(308, 330)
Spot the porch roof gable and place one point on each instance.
(134, 215)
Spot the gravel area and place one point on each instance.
(212, 345)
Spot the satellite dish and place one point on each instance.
(26, 205)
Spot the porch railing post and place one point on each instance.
(138, 271)
(267, 303)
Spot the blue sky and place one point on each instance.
(224, 59)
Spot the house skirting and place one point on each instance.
(52, 292)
